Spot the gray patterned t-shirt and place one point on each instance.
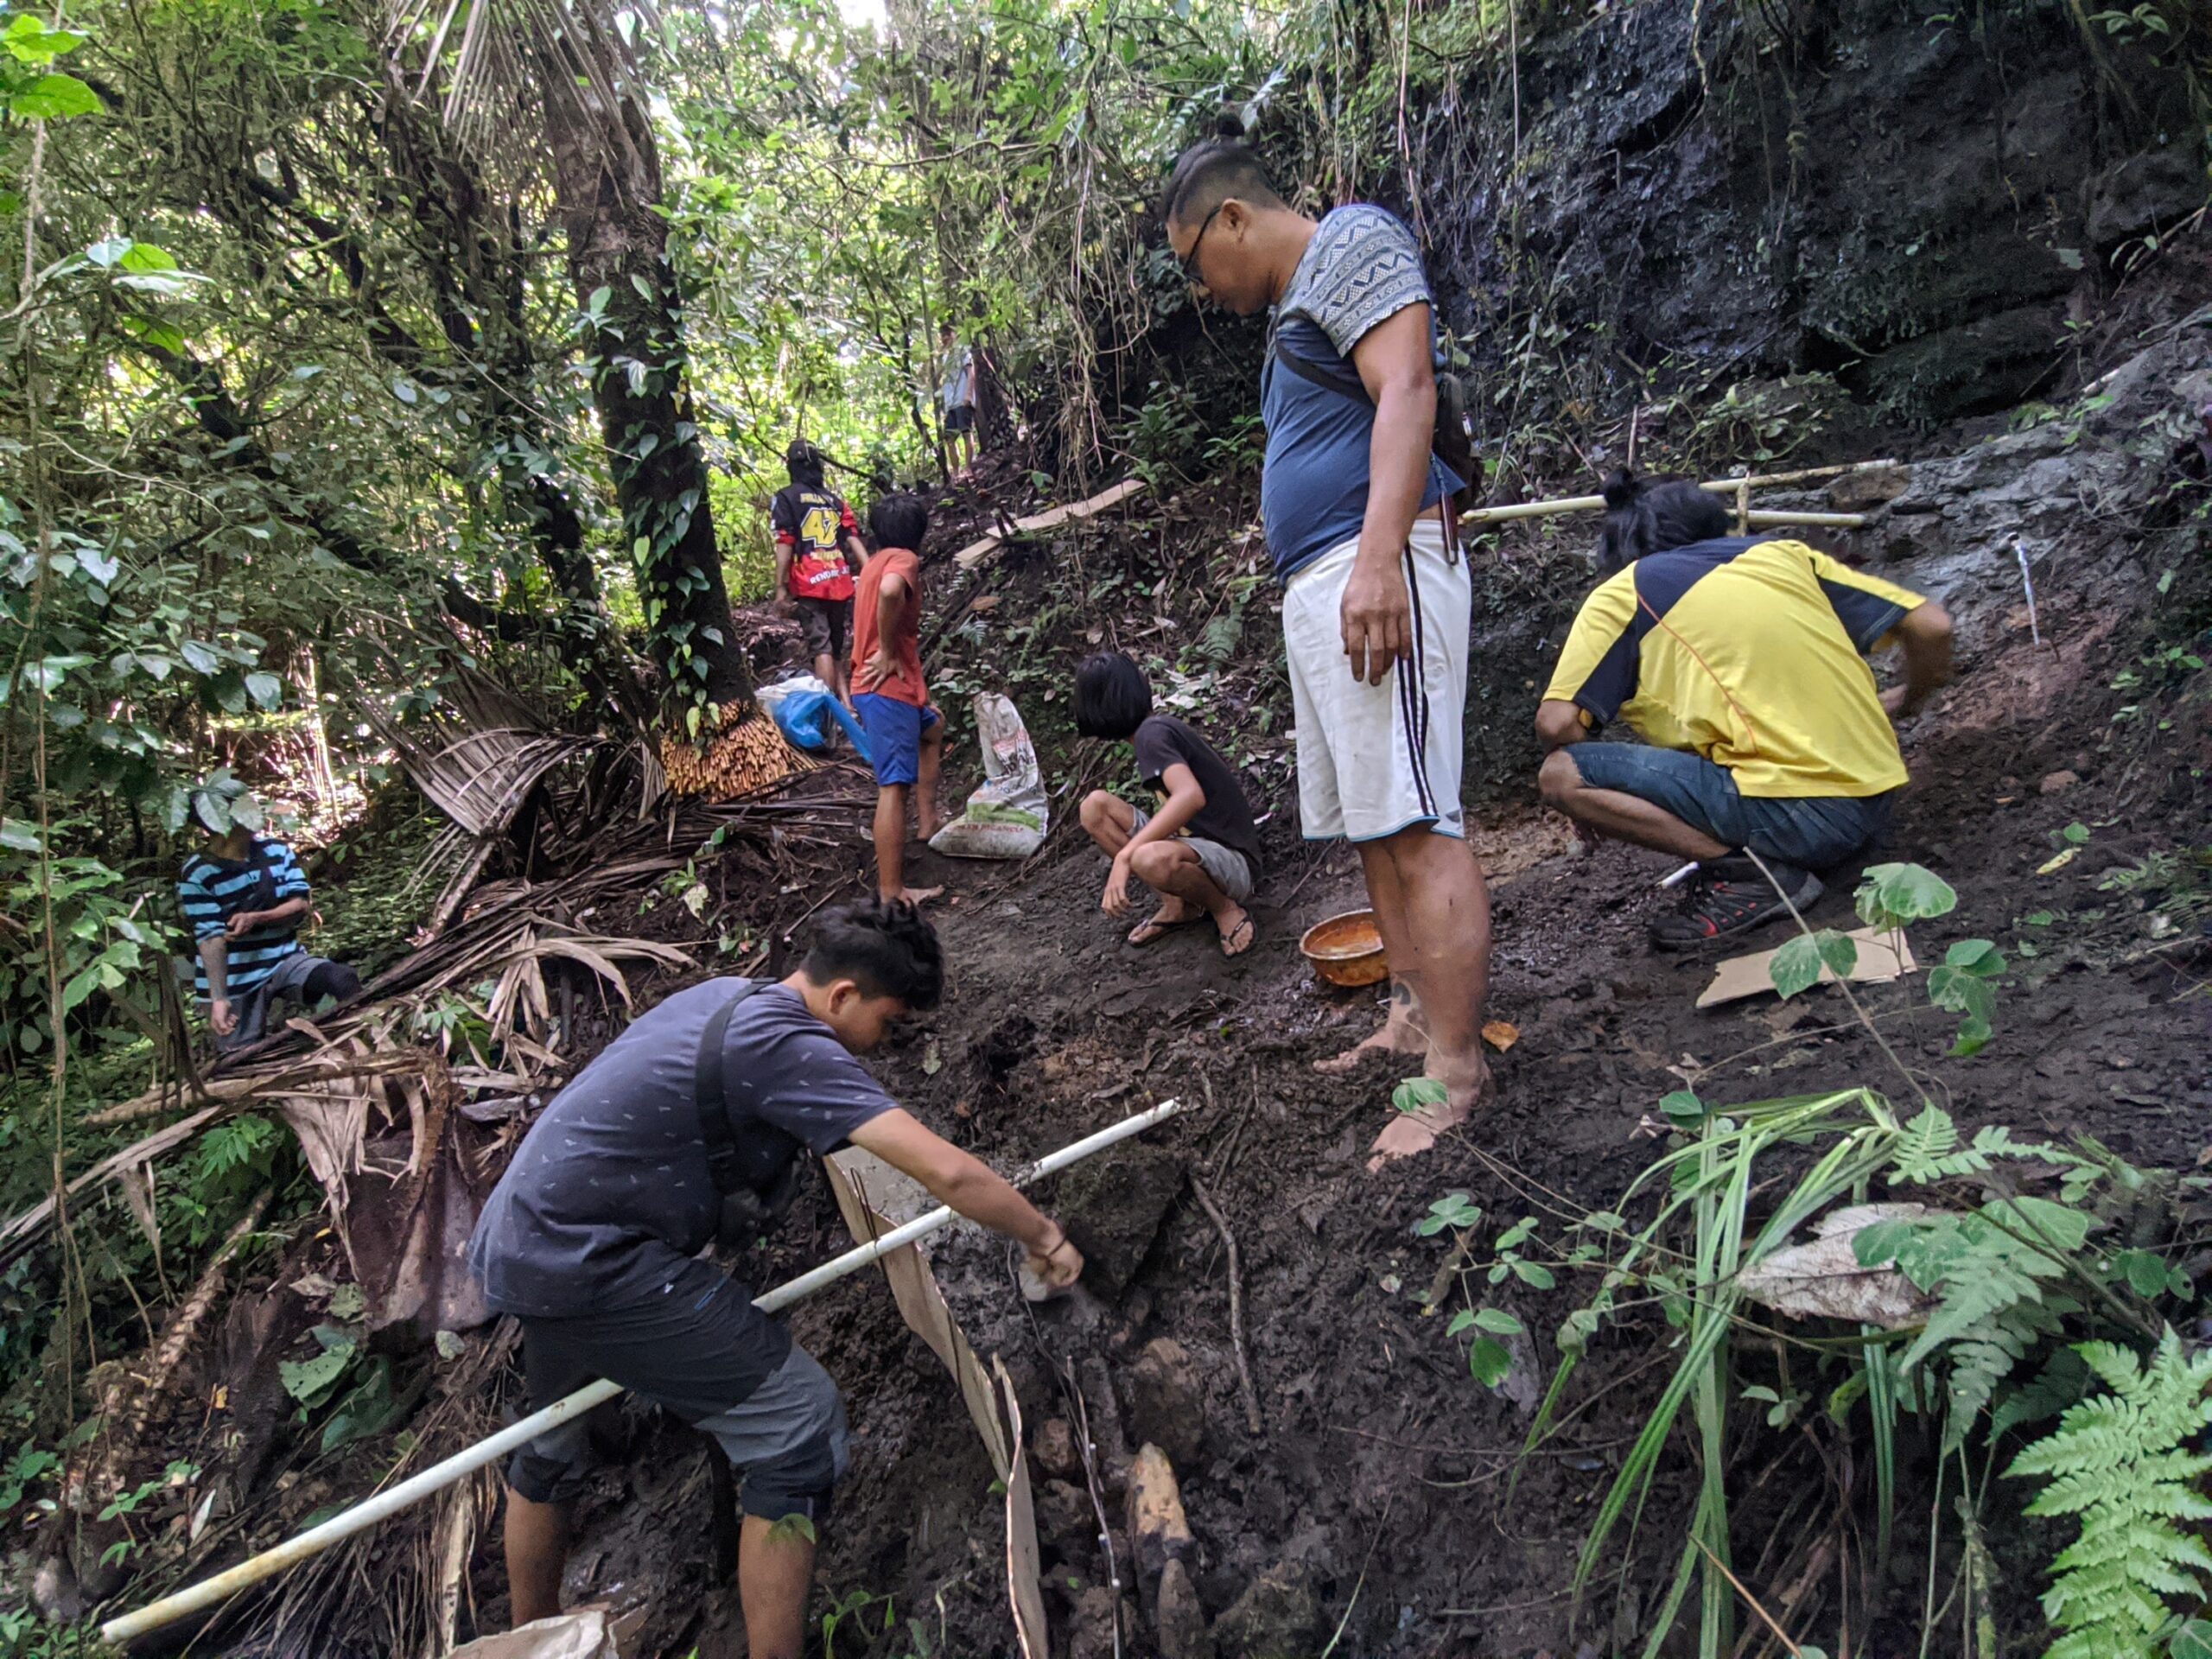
(609, 1194)
(1362, 267)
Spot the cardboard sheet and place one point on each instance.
(1883, 957)
(1023, 1565)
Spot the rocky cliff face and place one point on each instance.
(1913, 202)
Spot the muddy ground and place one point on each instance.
(1381, 1492)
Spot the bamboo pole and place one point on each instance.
(1735, 486)
(1760, 518)
(370, 1511)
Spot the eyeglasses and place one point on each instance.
(1190, 261)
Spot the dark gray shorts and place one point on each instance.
(703, 1352)
(298, 978)
(826, 625)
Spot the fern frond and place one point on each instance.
(1985, 1354)
(1979, 1288)
(1928, 1149)
(2062, 1381)
(2119, 1461)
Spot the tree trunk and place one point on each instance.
(608, 172)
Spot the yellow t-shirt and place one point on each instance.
(1749, 652)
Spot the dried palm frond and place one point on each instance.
(503, 62)
(744, 758)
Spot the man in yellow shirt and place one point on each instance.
(1741, 663)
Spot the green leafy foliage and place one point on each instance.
(1798, 965)
(1891, 896)
(2124, 1462)
(315, 1381)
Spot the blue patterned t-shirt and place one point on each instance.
(1362, 267)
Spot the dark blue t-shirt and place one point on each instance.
(1362, 267)
(609, 1195)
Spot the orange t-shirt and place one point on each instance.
(906, 683)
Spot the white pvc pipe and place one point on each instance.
(366, 1514)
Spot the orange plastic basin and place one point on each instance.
(1346, 950)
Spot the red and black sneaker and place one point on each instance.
(1730, 896)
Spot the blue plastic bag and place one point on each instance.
(803, 718)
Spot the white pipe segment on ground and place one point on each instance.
(315, 1540)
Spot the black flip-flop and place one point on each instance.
(1244, 929)
(1160, 930)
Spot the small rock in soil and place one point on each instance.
(2054, 782)
(1091, 1627)
(1110, 1446)
(1178, 1617)
(1166, 1401)
(1278, 1616)
(1055, 1451)
(1064, 1515)
(1113, 1206)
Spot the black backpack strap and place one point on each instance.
(1339, 377)
(265, 887)
(714, 1106)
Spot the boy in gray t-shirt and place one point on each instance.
(594, 1239)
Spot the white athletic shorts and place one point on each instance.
(1374, 759)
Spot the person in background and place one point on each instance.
(1376, 603)
(1200, 850)
(244, 897)
(593, 1240)
(817, 549)
(957, 399)
(905, 735)
(1741, 662)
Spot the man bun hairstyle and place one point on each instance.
(885, 947)
(804, 461)
(899, 520)
(1112, 696)
(1643, 518)
(1211, 171)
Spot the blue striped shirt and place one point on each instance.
(212, 890)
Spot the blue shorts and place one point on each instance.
(1813, 832)
(894, 736)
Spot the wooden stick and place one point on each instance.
(1250, 1395)
(1751, 1600)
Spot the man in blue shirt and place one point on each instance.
(244, 897)
(1376, 602)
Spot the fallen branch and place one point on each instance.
(1250, 1395)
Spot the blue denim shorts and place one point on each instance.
(894, 736)
(1814, 832)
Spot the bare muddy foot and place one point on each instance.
(915, 895)
(1396, 1036)
(1410, 1134)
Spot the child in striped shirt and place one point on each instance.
(244, 897)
